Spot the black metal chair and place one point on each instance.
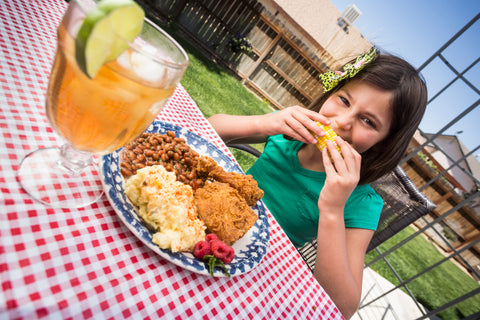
(403, 204)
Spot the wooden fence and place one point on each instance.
(281, 67)
(460, 227)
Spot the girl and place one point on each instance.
(374, 105)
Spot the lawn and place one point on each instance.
(216, 91)
(433, 289)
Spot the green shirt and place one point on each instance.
(291, 193)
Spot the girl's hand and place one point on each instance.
(343, 174)
(296, 122)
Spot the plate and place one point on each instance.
(249, 250)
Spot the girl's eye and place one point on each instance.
(344, 101)
(369, 122)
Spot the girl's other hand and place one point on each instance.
(343, 173)
(296, 122)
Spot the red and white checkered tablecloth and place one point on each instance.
(84, 263)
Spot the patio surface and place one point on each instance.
(396, 305)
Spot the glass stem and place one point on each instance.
(73, 161)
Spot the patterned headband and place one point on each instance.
(331, 79)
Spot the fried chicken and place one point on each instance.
(205, 165)
(246, 186)
(224, 211)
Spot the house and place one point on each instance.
(320, 21)
(448, 150)
(287, 44)
(448, 174)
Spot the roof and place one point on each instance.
(454, 149)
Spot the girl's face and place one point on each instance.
(359, 113)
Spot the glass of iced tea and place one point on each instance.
(97, 115)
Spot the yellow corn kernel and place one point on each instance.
(329, 135)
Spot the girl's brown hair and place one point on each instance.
(409, 99)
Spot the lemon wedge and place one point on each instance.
(106, 32)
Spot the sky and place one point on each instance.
(415, 30)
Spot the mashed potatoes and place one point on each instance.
(167, 206)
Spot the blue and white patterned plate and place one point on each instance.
(249, 250)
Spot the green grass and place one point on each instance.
(433, 289)
(216, 91)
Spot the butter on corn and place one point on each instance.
(329, 135)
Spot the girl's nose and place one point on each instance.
(344, 122)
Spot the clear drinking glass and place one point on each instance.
(99, 115)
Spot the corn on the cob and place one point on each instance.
(329, 135)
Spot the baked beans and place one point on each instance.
(166, 149)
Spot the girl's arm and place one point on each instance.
(293, 121)
(341, 251)
(340, 262)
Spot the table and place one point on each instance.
(84, 263)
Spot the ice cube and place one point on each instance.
(146, 68)
(124, 60)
